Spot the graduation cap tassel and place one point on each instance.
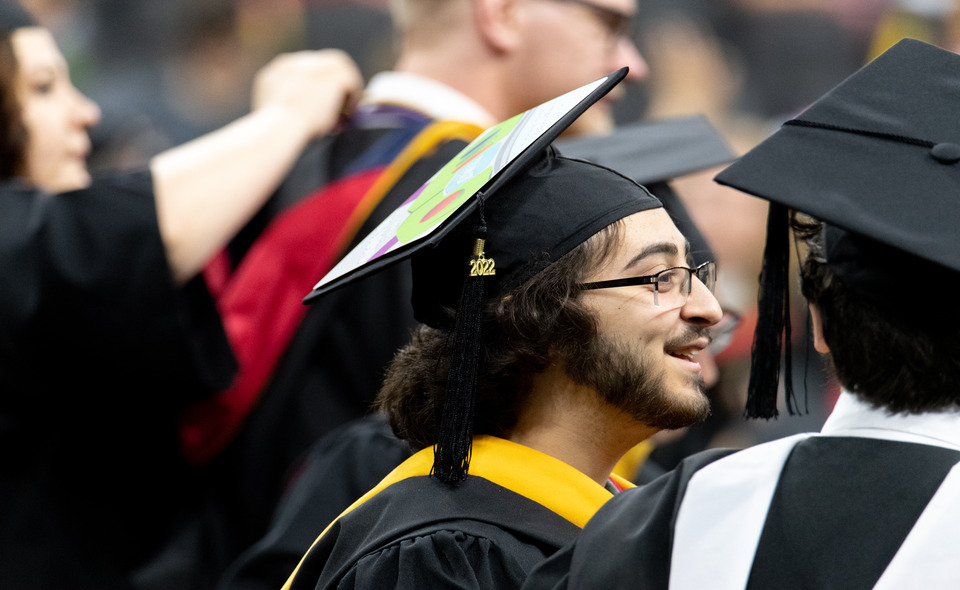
(452, 453)
(773, 321)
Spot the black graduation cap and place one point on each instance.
(653, 153)
(13, 16)
(877, 159)
(510, 205)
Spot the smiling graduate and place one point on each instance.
(560, 326)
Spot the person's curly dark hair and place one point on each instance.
(523, 332)
(887, 361)
(13, 135)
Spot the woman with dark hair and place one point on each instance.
(106, 332)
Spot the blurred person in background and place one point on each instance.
(106, 331)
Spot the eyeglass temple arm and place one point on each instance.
(619, 283)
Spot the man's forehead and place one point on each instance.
(649, 233)
(654, 224)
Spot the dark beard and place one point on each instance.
(626, 380)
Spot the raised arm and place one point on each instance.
(208, 188)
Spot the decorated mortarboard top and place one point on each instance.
(655, 152)
(13, 16)
(877, 159)
(449, 197)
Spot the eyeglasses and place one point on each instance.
(617, 24)
(671, 286)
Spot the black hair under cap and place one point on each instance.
(13, 16)
(877, 159)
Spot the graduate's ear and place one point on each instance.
(498, 23)
(816, 321)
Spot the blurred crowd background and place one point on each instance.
(167, 71)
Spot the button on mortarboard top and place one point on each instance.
(946, 152)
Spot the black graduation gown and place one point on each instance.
(515, 508)
(98, 352)
(840, 510)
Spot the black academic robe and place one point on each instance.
(516, 507)
(844, 509)
(98, 352)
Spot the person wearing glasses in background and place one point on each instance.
(463, 66)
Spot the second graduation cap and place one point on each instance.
(500, 212)
(877, 159)
(656, 150)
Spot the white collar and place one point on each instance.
(854, 417)
(432, 98)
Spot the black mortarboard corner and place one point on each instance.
(494, 216)
(877, 159)
(13, 16)
(655, 152)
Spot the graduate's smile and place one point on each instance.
(687, 353)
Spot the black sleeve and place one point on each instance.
(89, 282)
(553, 573)
(99, 353)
